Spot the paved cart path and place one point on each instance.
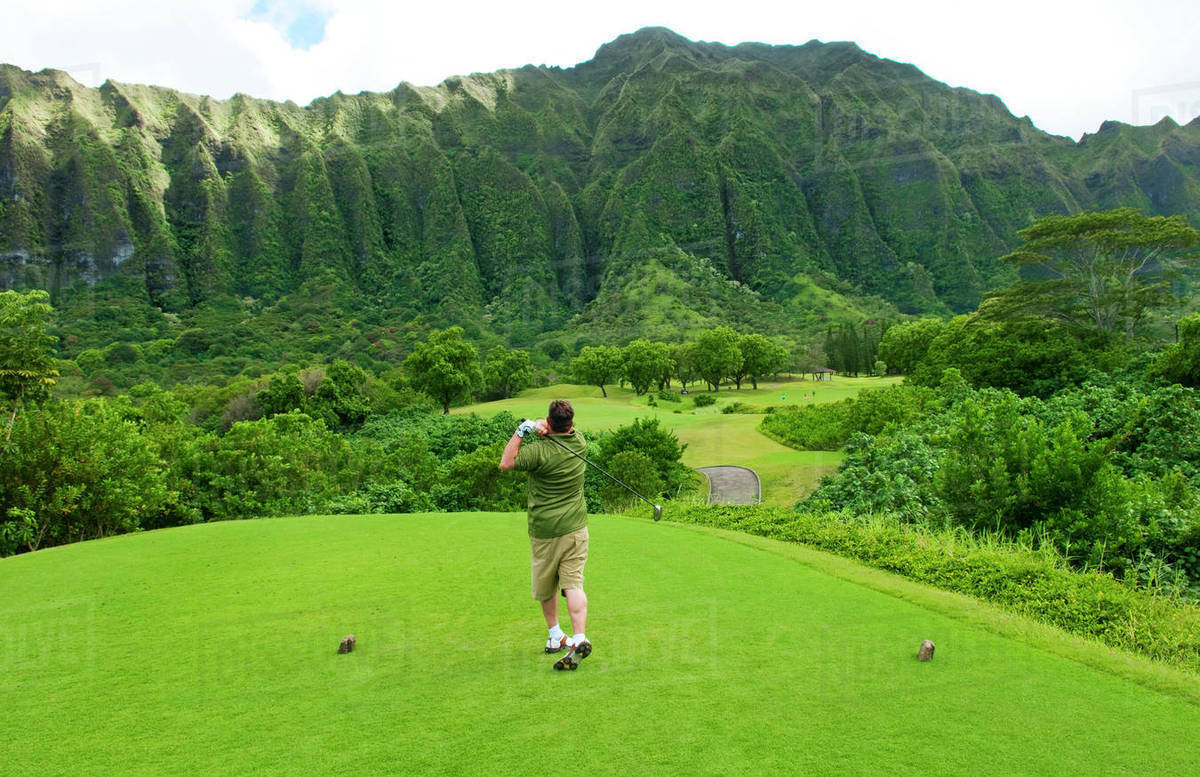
(732, 485)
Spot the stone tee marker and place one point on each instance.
(347, 644)
(926, 651)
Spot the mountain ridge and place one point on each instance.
(514, 195)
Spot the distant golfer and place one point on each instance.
(558, 535)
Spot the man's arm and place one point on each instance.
(508, 459)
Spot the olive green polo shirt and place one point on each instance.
(556, 504)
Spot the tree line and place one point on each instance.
(716, 356)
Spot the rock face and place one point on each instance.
(347, 644)
(528, 194)
(926, 651)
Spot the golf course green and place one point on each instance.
(713, 437)
(211, 650)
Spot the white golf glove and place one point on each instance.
(526, 427)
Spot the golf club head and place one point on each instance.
(657, 512)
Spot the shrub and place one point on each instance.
(704, 400)
(811, 427)
(660, 447)
(884, 410)
(1180, 363)
(289, 463)
(394, 497)
(638, 471)
(77, 471)
(1030, 357)
(472, 481)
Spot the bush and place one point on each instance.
(473, 481)
(664, 395)
(1180, 363)
(811, 427)
(394, 497)
(893, 408)
(704, 400)
(77, 471)
(660, 447)
(287, 464)
(638, 471)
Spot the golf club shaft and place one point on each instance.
(597, 466)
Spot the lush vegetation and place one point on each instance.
(1106, 473)
(1042, 427)
(331, 438)
(664, 186)
(88, 469)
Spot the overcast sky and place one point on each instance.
(1068, 65)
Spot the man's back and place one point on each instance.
(556, 503)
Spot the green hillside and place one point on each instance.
(210, 649)
(664, 183)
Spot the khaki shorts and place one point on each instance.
(558, 563)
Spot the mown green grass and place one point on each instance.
(713, 438)
(210, 649)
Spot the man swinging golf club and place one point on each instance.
(558, 535)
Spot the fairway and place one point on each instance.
(210, 649)
(713, 438)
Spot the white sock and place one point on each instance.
(555, 632)
(580, 637)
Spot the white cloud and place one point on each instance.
(1067, 68)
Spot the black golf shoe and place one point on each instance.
(570, 662)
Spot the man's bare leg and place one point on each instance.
(577, 607)
(550, 610)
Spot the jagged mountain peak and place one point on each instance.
(524, 196)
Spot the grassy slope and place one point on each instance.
(712, 436)
(210, 650)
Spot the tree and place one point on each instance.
(26, 359)
(645, 363)
(1030, 357)
(1095, 270)
(683, 357)
(717, 355)
(445, 366)
(760, 357)
(506, 372)
(660, 446)
(844, 349)
(903, 346)
(1180, 363)
(339, 399)
(284, 394)
(597, 365)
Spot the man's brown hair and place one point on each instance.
(561, 416)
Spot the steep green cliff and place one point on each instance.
(662, 181)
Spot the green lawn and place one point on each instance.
(712, 437)
(210, 649)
